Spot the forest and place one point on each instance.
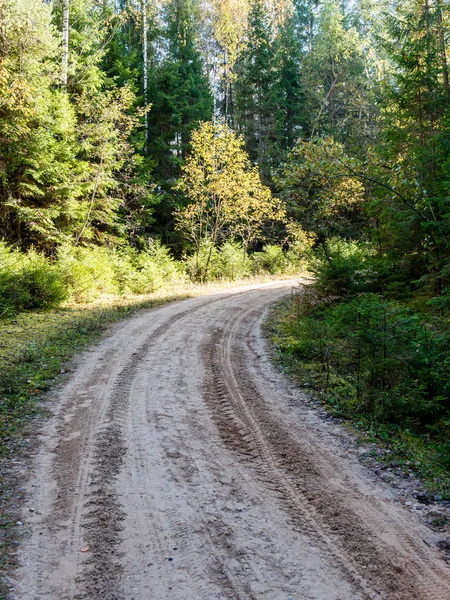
(143, 142)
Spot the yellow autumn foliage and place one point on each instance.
(228, 200)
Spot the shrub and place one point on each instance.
(152, 269)
(396, 359)
(88, 271)
(28, 281)
(210, 263)
(346, 268)
(92, 271)
(232, 262)
(200, 266)
(271, 260)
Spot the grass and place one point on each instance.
(424, 453)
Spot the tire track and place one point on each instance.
(102, 570)
(88, 453)
(287, 468)
(242, 435)
(165, 530)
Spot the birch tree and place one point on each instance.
(228, 200)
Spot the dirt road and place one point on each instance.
(182, 465)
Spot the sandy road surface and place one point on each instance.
(188, 468)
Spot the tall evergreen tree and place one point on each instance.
(289, 90)
(37, 127)
(255, 94)
(415, 140)
(180, 98)
(178, 90)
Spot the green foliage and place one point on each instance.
(339, 78)
(28, 281)
(88, 272)
(412, 157)
(233, 262)
(345, 268)
(179, 90)
(289, 86)
(36, 125)
(152, 269)
(212, 263)
(271, 260)
(320, 193)
(255, 81)
(67, 166)
(228, 200)
(374, 360)
(83, 274)
(396, 357)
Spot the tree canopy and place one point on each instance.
(121, 120)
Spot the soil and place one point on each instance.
(181, 464)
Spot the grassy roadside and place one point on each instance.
(416, 454)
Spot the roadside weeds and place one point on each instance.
(401, 463)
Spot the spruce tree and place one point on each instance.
(178, 90)
(415, 140)
(37, 128)
(255, 88)
(289, 90)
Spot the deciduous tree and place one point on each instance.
(227, 199)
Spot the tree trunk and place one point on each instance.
(444, 60)
(65, 48)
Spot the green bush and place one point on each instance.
(347, 268)
(28, 281)
(271, 260)
(153, 269)
(92, 271)
(397, 360)
(228, 262)
(88, 271)
(232, 262)
(200, 266)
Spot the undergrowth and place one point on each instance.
(30, 281)
(378, 363)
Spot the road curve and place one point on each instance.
(180, 464)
